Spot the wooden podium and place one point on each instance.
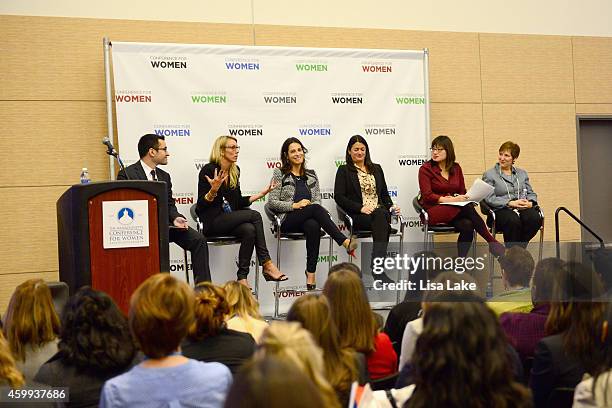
(83, 260)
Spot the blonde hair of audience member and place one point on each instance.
(161, 313)
(30, 318)
(9, 374)
(218, 151)
(272, 383)
(351, 311)
(294, 344)
(313, 312)
(211, 310)
(243, 310)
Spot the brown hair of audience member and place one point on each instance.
(294, 344)
(241, 301)
(576, 310)
(448, 278)
(161, 313)
(544, 276)
(30, 318)
(9, 374)
(314, 313)
(517, 266)
(272, 383)
(511, 148)
(210, 310)
(351, 311)
(463, 343)
(95, 335)
(345, 266)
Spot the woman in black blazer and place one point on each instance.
(361, 191)
(223, 210)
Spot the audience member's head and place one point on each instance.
(95, 335)
(241, 301)
(462, 343)
(9, 374)
(161, 313)
(293, 344)
(31, 319)
(544, 276)
(602, 262)
(576, 310)
(517, 267)
(271, 382)
(345, 266)
(600, 367)
(427, 268)
(210, 310)
(314, 314)
(351, 311)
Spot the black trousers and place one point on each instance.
(379, 223)
(248, 226)
(518, 229)
(310, 220)
(194, 242)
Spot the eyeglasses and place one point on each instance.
(232, 147)
(437, 149)
(165, 149)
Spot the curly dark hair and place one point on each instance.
(463, 344)
(211, 309)
(95, 335)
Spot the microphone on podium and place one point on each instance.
(110, 150)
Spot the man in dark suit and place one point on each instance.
(153, 152)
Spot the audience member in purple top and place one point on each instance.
(95, 345)
(161, 313)
(561, 359)
(524, 330)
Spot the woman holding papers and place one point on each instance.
(512, 199)
(443, 195)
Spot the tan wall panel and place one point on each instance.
(463, 124)
(453, 64)
(555, 190)
(8, 283)
(29, 235)
(526, 68)
(545, 133)
(61, 58)
(593, 69)
(53, 141)
(594, 109)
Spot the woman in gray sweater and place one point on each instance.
(513, 199)
(297, 199)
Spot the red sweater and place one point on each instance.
(433, 186)
(382, 362)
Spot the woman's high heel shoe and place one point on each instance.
(310, 286)
(352, 245)
(270, 278)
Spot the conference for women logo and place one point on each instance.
(311, 66)
(315, 129)
(209, 97)
(409, 99)
(280, 98)
(351, 98)
(245, 129)
(384, 67)
(242, 64)
(168, 62)
(125, 216)
(169, 130)
(373, 129)
(133, 96)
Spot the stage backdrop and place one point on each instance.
(262, 95)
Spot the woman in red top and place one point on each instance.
(441, 181)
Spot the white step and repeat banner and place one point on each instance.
(262, 95)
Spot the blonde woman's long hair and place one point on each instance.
(241, 301)
(9, 374)
(217, 153)
(30, 318)
(294, 344)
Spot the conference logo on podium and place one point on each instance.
(242, 64)
(168, 62)
(125, 224)
(315, 129)
(133, 96)
(374, 129)
(385, 67)
(347, 98)
(311, 65)
(125, 216)
(280, 98)
(170, 130)
(214, 97)
(245, 129)
(411, 160)
(410, 99)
